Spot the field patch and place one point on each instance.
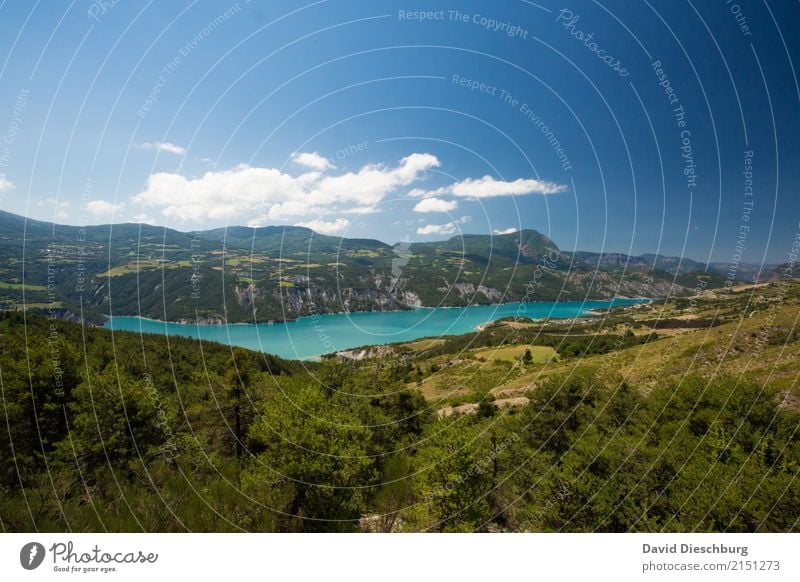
(540, 354)
(21, 286)
(423, 344)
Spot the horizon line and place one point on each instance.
(341, 237)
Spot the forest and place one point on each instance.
(124, 433)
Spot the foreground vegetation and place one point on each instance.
(622, 423)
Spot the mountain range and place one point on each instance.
(274, 273)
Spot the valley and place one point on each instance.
(280, 273)
(619, 421)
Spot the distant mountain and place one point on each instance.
(673, 265)
(283, 272)
(772, 273)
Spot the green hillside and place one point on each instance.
(242, 274)
(664, 417)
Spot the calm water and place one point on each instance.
(316, 335)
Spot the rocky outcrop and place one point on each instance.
(247, 296)
(606, 285)
(63, 314)
(470, 290)
(297, 301)
(204, 320)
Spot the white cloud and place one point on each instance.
(102, 208)
(448, 228)
(511, 230)
(313, 160)
(164, 146)
(435, 205)
(6, 184)
(143, 218)
(326, 227)
(60, 207)
(262, 194)
(488, 187)
(361, 210)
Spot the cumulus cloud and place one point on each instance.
(448, 228)
(164, 146)
(5, 184)
(488, 187)
(435, 205)
(313, 160)
(326, 227)
(102, 208)
(269, 194)
(60, 207)
(143, 218)
(511, 230)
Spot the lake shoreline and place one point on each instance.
(217, 321)
(317, 335)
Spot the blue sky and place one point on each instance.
(404, 120)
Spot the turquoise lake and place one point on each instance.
(312, 336)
